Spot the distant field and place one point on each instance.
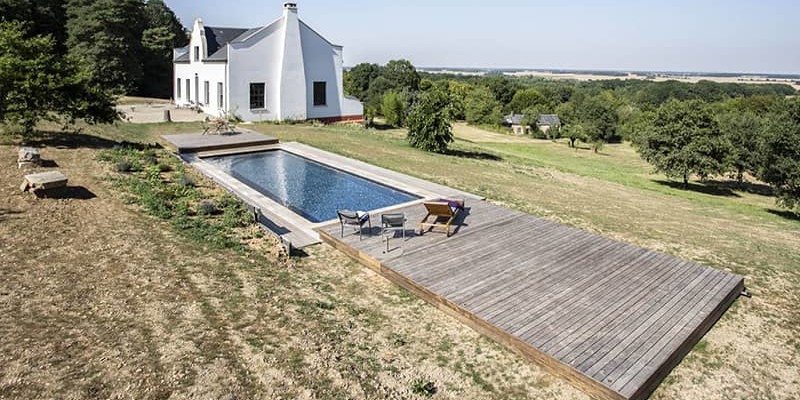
(690, 79)
(222, 323)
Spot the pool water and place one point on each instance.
(313, 190)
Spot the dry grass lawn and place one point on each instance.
(99, 300)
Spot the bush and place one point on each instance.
(186, 181)
(423, 387)
(206, 207)
(234, 213)
(123, 166)
(162, 167)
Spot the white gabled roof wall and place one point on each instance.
(287, 56)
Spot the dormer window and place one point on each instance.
(197, 53)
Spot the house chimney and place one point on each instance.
(289, 8)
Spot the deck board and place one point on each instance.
(198, 142)
(611, 318)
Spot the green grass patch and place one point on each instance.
(159, 184)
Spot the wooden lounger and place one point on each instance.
(443, 212)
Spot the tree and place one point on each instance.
(37, 83)
(377, 88)
(780, 155)
(575, 133)
(393, 108)
(742, 130)
(357, 81)
(106, 36)
(164, 32)
(458, 94)
(684, 139)
(402, 75)
(502, 88)
(44, 17)
(429, 122)
(525, 99)
(600, 118)
(531, 120)
(480, 107)
(566, 113)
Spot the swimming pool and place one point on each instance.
(313, 190)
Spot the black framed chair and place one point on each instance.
(354, 219)
(390, 225)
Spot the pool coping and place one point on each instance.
(293, 229)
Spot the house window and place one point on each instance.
(188, 91)
(206, 93)
(197, 53)
(220, 96)
(320, 98)
(196, 89)
(178, 89)
(258, 95)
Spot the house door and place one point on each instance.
(196, 89)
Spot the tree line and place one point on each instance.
(685, 130)
(73, 58)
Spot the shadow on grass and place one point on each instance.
(381, 127)
(69, 192)
(475, 155)
(747, 187)
(790, 215)
(699, 188)
(74, 140)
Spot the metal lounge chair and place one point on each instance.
(443, 212)
(390, 224)
(355, 219)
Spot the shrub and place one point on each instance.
(186, 181)
(423, 387)
(206, 207)
(234, 213)
(164, 167)
(123, 166)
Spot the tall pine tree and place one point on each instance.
(106, 37)
(163, 33)
(42, 17)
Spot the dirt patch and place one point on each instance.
(153, 112)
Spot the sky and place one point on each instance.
(679, 35)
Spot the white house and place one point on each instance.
(282, 71)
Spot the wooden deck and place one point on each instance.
(611, 318)
(198, 142)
